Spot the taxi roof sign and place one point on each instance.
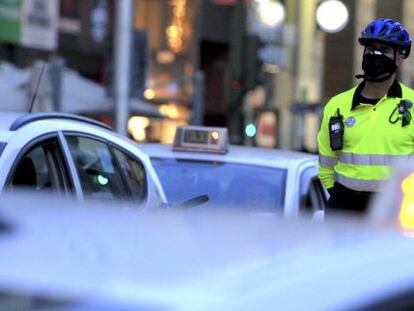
(201, 139)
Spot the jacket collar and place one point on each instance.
(394, 91)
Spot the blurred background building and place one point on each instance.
(262, 68)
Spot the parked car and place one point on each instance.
(201, 162)
(69, 154)
(96, 258)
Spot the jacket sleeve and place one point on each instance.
(327, 157)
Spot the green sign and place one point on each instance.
(10, 23)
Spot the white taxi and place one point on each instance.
(201, 162)
(69, 154)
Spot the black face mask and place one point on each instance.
(378, 67)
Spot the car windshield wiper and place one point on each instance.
(193, 202)
(198, 200)
(208, 162)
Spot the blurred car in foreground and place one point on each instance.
(394, 205)
(73, 258)
(202, 162)
(69, 154)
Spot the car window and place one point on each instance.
(226, 184)
(98, 174)
(134, 173)
(38, 169)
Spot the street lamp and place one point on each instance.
(271, 13)
(332, 16)
(266, 18)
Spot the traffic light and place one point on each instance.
(250, 130)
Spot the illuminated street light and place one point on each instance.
(271, 13)
(137, 126)
(332, 16)
(149, 94)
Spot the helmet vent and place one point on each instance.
(383, 29)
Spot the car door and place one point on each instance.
(312, 195)
(105, 170)
(40, 166)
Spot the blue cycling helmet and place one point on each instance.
(387, 31)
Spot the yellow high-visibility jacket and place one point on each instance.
(371, 142)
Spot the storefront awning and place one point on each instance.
(137, 107)
(78, 95)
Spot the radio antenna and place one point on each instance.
(39, 79)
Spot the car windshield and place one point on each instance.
(227, 184)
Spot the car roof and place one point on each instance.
(236, 154)
(7, 118)
(190, 260)
(11, 121)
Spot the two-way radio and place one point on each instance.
(336, 131)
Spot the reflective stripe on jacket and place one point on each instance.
(371, 142)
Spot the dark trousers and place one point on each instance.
(345, 199)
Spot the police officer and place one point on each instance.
(365, 129)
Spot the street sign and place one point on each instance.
(10, 24)
(273, 55)
(40, 24)
(31, 23)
